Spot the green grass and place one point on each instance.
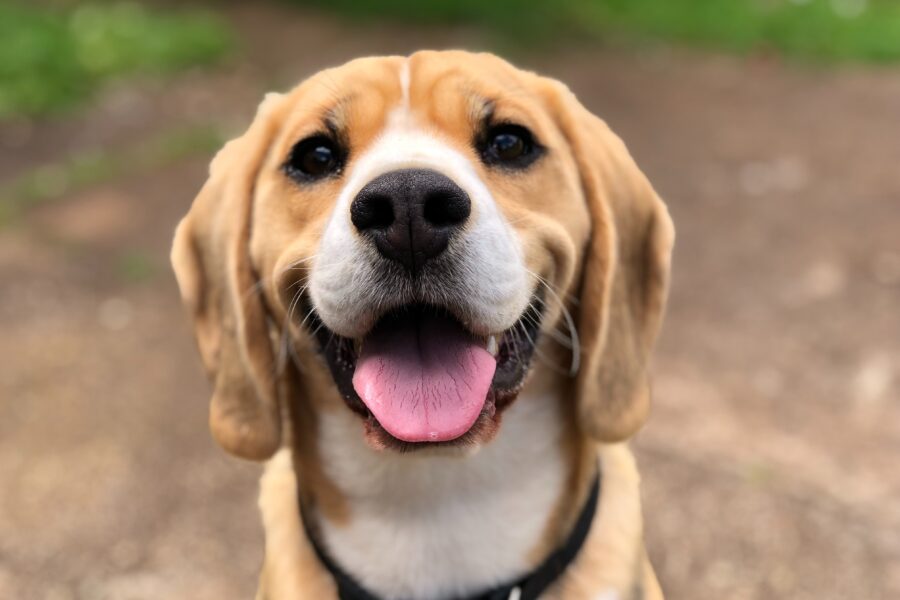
(812, 30)
(77, 172)
(52, 58)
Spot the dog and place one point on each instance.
(426, 290)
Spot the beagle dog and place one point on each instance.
(426, 290)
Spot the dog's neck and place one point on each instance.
(434, 524)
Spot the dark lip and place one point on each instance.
(514, 357)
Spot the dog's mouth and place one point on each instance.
(420, 377)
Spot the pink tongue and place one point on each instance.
(425, 379)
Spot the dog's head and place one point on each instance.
(421, 222)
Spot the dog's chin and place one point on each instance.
(512, 350)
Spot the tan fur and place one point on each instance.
(625, 278)
(214, 274)
(590, 226)
(612, 556)
(291, 569)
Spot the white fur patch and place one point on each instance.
(436, 524)
(491, 282)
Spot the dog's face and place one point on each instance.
(419, 223)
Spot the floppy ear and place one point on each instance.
(211, 260)
(625, 276)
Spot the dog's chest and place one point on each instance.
(432, 525)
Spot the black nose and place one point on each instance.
(410, 214)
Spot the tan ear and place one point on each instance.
(625, 275)
(210, 256)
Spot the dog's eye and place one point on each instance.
(510, 146)
(314, 158)
(507, 146)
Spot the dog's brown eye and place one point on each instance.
(510, 146)
(317, 161)
(314, 158)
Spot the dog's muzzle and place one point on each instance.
(426, 367)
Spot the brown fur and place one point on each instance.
(589, 222)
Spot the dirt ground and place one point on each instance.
(769, 462)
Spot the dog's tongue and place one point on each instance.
(424, 378)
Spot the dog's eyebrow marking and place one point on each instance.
(488, 107)
(332, 125)
(333, 117)
(484, 114)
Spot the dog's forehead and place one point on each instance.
(444, 89)
(433, 75)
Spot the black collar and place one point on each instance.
(529, 587)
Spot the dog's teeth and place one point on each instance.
(492, 346)
(357, 346)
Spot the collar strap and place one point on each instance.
(529, 587)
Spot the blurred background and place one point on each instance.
(771, 128)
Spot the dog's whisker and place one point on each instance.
(557, 293)
(541, 356)
(284, 343)
(318, 328)
(570, 323)
(514, 339)
(309, 313)
(295, 300)
(554, 333)
(263, 281)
